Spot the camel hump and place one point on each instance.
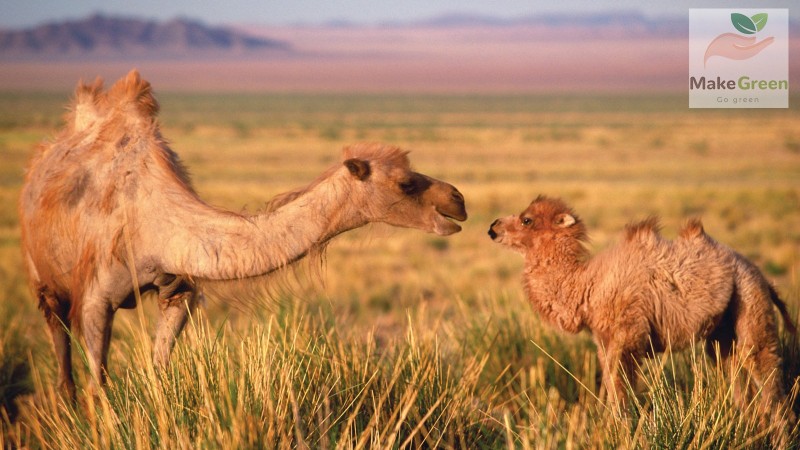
(130, 97)
(643, 230)
(87, 105)
(692, 229)
(133, 94)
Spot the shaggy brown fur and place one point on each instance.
(107, 211)
(647, 293)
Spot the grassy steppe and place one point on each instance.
(411, 340)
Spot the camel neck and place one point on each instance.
(220, 245)
(553, 287)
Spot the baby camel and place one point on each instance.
(647, 293)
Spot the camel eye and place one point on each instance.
(527, 221)
(415, 185)
(409, 187)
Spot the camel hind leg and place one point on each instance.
(764, 378)
(754, 368)
(758, 342)
(761, 352)
(757, 333)
(56, 313)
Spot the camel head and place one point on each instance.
(546, 224)
(392, 193)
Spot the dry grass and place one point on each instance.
(416, 340)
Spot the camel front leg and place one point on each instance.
(609, 362)
(619, 370)
(177, 298)
(57, 315)
(174, 314)
(97, 319)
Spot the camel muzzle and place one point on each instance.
(455, 206)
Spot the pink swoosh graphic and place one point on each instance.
(734, 46)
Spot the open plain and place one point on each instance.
(405, 339)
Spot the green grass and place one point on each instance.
(410, 340)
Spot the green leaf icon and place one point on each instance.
(743, 23)
(759, 20)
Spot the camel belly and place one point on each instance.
(689, 302)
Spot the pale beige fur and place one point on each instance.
(647, 293)
(107, 211)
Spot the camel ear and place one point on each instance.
(564, 220)
(358, 167)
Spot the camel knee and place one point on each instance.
(171, 288)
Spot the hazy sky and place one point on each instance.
(24, 13)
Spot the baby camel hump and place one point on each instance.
(689, 280)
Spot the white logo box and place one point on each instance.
(738, 58)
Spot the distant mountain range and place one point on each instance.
(112, 37)
(631, 21)
(105, 36)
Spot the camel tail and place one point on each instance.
(787, 319)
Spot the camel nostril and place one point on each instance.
(456, 196)
(492, 233)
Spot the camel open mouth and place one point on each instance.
(444, 224)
